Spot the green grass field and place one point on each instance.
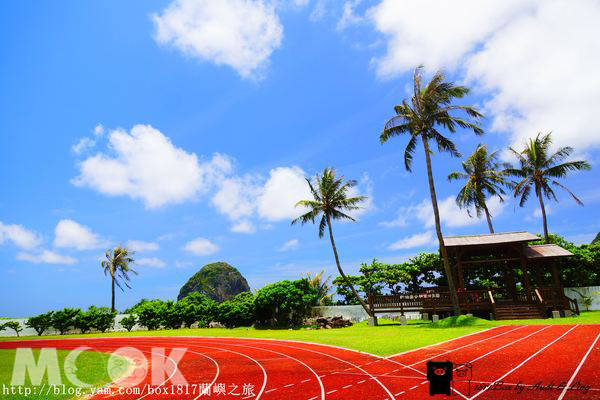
(90, 368)
(388, 338)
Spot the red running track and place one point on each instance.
(529, 362)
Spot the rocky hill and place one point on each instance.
(219, 281)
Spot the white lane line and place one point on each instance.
(578, 368)
(445, 341)
(346, 387)
(288, 385)
(270, 390)
(216, 375)
(466, 345)
(332, 391)
(508, 344)
(175, 368)
(399, 393)
(284, 355)
(363, 381)
(525, 361)
(306, 380)
(262, 389)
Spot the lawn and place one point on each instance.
(388, 338)
(90, 368)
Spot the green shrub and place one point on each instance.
(64, 319)
(40, 323)
(143, 301)
(171, 317)
(285, 303)
(239, 311)
(14, 325)
(197, 307)
(149, 315)
(129, 322)
(103, 318)
(83, 321)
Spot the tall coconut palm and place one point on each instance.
(484, 180)
(117, 267)
(430, 108)
(331, 201)
(539, 170)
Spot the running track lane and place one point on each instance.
(294, 370)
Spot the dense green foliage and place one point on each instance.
(218, 281)
(100, 319)
(64, 319)
(14, 325)
(376, 278)
(426, 269)
(149, 315)
(129, 322)
(239, 311)
(40, 323)
(132, 309)
(285, 303)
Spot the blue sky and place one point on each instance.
(184, 129)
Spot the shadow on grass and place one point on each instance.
(460, 321)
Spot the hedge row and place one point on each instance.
(280, 304)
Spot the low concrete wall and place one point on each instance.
(356, 313)
(587, 291)
(31, 332)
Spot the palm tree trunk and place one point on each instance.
(438, 231)
(489, 218)
(113, 292)
(339, 267)
(538, 192)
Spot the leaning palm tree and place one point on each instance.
(429, 108)
(330, 201)
(539, 169)
(484, 180)
(117, 266)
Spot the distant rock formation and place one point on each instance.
(218, 281)
(596, 239)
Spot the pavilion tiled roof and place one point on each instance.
(546, 250)
(489, 239)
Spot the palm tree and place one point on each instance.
(321, 285)
(117, 265)
(330, 201)
(484, 179)
(539, 169)
(431, 107)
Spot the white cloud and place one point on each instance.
(19, 236)
(318, 12)
(236, 197)
(139, 245)
(183, 264)
(151, 262)
(538, 59)
(84, 144)
(239, 33)
(291, 244)
(284, 188)
(349, 17)
(451, 215)
(416, 240)
(46, 257)
(201, 247)
(146, 165)
(99, 130)
(69, 233)
(243, 226)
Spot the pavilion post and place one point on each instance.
(526, 279)
(538, 276)
(461, 277)
(560, 295)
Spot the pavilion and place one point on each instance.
(513, 258)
